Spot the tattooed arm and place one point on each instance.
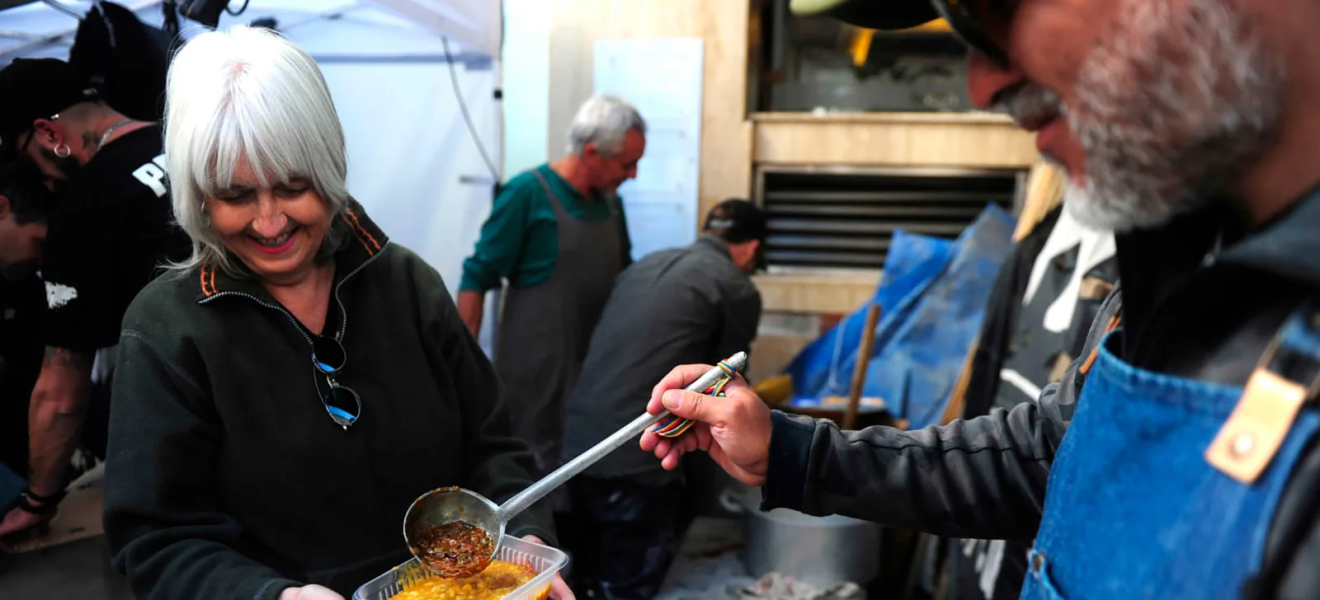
(55, 418)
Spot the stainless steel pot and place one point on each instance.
(820, 551)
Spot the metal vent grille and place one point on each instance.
(846, 218)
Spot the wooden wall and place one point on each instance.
(892, 139)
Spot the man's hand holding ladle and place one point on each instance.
(734, 430)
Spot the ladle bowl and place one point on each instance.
(449, 504)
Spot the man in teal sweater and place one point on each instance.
(558, 235)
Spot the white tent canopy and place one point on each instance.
(413, 163)
(410, 28)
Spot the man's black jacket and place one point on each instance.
(1201, 298)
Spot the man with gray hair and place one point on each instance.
(558, 235)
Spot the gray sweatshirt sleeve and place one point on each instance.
(981, 478)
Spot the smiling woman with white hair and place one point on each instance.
(283, 398)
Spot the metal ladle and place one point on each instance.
(448, 504)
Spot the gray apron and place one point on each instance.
(544, 329)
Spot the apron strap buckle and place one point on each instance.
(1287, 376)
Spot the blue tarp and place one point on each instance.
(933, 298)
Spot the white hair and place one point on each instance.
(247, 96)
(603, 120)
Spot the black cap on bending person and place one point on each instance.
(36, 88)
(737, 221)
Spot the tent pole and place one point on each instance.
(470, 60)
(62, 8)
(499, 116)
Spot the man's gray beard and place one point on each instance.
(1169, 111)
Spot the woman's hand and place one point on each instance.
(310, 592)
(558, 589)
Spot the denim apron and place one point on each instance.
(1135, 510)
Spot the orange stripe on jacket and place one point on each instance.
(203, 282)
(362, 232)
(1114, 322)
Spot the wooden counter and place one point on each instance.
(832, 292)
(891, 139)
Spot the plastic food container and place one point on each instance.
(544, 560)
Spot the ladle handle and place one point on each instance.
(547, 484)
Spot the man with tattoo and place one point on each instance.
(111, 228)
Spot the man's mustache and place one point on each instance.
(1029, 103)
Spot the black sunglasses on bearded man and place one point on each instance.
(904, 14)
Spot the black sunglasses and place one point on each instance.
(343, 404)
(968, 29)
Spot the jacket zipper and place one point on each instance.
(288, 314)
(343, 314)
(343, 325)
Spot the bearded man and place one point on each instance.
(1189, 468)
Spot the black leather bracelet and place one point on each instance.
(51, 499)
(26, 505)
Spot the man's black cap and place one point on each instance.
(739, 221)
(871, 14)
(36, 88)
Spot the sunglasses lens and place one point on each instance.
(328, 354)
(343, 404)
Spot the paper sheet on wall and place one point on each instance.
(662, 78)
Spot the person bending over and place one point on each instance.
(108, 235)
(679, 306)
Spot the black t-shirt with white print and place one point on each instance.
(113, 229)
